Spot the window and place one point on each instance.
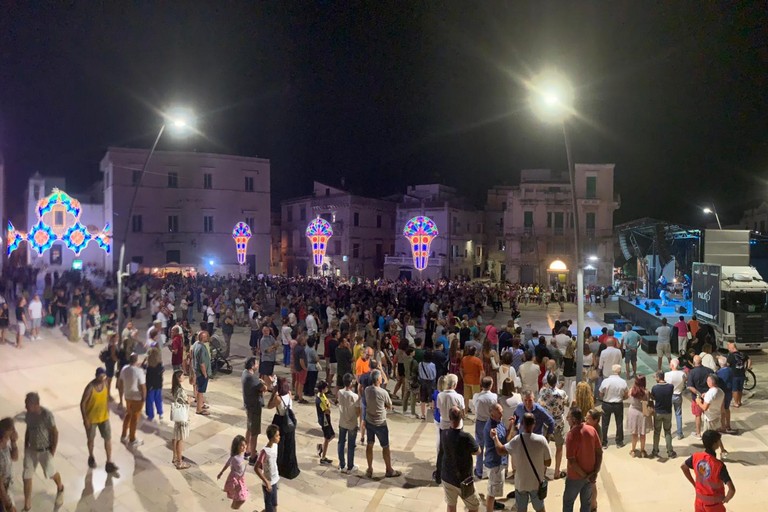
(302, 242)
(762, 226)
(249, 183)
(136, 224)
(378, 221)
(289, 240)
(289, 213)
(591, 187)
(303, 213)
(208, 224)
(356, 219)
(136, 178)
(501, 244)
(591, 223)
(173, 180)
(137, 259)
(36, 191)
(479, 227)
(549, 219)
(454, 251)
(107, 175)
(355, 250)
(337, 247)
(528, 219)
(504, 206)
(208, 180)
(392, 223)
(173, 256)
(250, 222)
(173, 224)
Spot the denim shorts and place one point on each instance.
(737, 384)
(377, 431)
(522, 498)
(270, 498)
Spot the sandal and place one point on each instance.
(183, 465)
(633, 453)
(643, 454)
(393, 474)
(203, 413)
(368, 473)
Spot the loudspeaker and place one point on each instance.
(624, 244)
(681, 309)
(661, 245)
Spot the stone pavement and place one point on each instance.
(59, 370)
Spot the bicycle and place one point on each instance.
(750, 381)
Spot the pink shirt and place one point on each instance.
(682, 329)
(492, 334)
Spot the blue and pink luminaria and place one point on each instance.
(420, 231)
(318, 232)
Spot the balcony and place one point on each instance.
(407, 261)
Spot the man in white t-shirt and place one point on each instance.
(526, 482)
(677, 378)
(610, 356)
(349, 414)
(35, 316)
(529, 374)
(562, 339)
(711, 403)
(134, 382)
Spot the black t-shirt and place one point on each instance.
(155, 377)
(738, 363)
(458, 448)
(697, 378)
(299, 354)
(252, 396)
(344, 361)
(333, 344)
(662, 398)
(19, 313)
(464, 334)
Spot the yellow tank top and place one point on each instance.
(96, 407)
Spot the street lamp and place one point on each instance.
(552, 102)
(708, 211)
(180, 122)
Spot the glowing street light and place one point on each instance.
(593, 258)
(710, 211)
(180, 120)
(551, 96)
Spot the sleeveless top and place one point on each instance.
(96, 407)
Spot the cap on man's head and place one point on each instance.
(100, 371)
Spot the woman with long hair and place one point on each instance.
(637, 422)
(286, 449)
(490, 360)
(584, 399)
(180, 428)
(154, 384)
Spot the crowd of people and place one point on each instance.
(360, 348)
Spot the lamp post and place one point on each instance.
(552, 101)
(709, 210)
(179, 121)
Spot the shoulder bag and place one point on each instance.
(542, 493)
(179, 411)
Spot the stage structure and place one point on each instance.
(241, 234)
(318, 232)
(58, 218)
(664, 253)
(420, 231)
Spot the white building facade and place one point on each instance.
(538, 225)
(363, 233)
(186, 207)
(459, 250)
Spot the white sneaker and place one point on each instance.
(124, 439)
(352, 469)
(137, 443)
(344, 471)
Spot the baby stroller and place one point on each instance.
(219, 356)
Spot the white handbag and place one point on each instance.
(179, 412)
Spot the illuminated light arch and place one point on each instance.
(66, 228)
(241, 234)
(420, 231)
(318, 232)
(558, 266)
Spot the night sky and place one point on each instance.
(394, 93)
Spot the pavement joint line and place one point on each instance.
(614, 498)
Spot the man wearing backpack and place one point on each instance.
(739, 364)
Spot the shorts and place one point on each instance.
(332, 367)
(630, 355)
(737, 384)
(270, 498)
(496, 481)
(21, 327)
(36, 322)
(715, 424)
(452, 494)
(301, 378)
(377, 431)
(469, 391)
(104, 429)
(727, 400)
(695, 409)
(266, 368)
(202, 384)
(425, 391)
(663, 349)
(110, 367)
(558, 437)
(32, 458)
(328, 432)
(254, 421)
